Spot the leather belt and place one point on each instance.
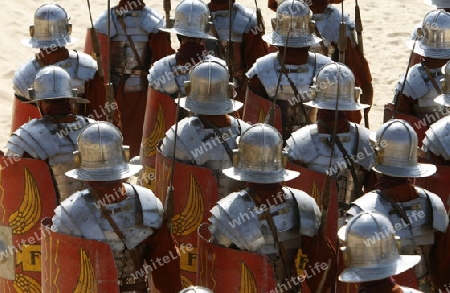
(122, 71)
(133, 287)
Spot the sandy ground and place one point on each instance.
(387, 24)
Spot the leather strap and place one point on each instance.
(107, 215)
(294, 88)
(132, 45)
(430, 76)
(268, 217)
(218, 134)
(348, 160)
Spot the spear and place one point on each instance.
(359, 27)
(167, 7)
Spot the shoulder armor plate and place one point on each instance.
(300, 146)
(226, 219)
(364, 147)
(418, 84)
(24, 77)
(162, 76)
(328, 24)
(309, 212)
(244, 20)
(152, 207)
(437, 138)
(84, 66)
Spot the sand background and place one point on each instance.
(387, 24)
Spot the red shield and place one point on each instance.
(22, 113)
(229, 270)
(160, 115)
(314, 183)
(256, 109)
(419, 125)
(27, 196)
(194, 194)
(72, 264)
(437, 183)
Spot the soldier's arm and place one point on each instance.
(160, 248)
(360, 68)
(255, 85)
(322, 263)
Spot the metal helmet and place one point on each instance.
(260, 157)
(208, 90)
(293, 26)
(434, 35)
(335, 81)
(444, 98)
(101, 155)
(438, 3)
(191, 20)
(51, 28)
(51, 83)
(196, 289)
(396, 151)
(370, 249)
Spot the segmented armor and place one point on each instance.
(55, 143)
(137, 217)
(127, 62)
(268, 68)
(437, 138)
(426, 214)
(167, 77)
(203, 147)
(80, 66)
(313, 149)
(327, 24)
(418, 86)
(242, 21)
(237, 220)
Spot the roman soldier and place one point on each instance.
(129, 218)
(418, 215)
(328, 20)
(277, 223)
(415, 92)
(53, 137)
(371, 254)
(51, 33)
(285, 77)
(135, 43)
(208, 137)
(166, 80)
(334, 145)
(246, 44)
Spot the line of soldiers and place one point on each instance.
(268, 229)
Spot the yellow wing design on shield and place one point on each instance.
(150, 143)
(24, 283)
(29, 212)
(191, 216)
(87, 281)
(248, 284)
